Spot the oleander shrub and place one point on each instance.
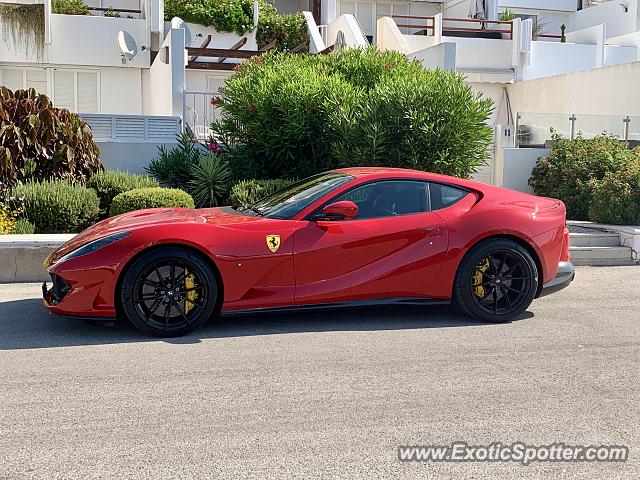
(616, 197)
(58, 206)
(225, 16)
(248, 192)
(289, 31)
(568, 172)
(108, 184)
(157, 197)
(299, 115)
(41, 142)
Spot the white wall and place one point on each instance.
(563, 5)
(352, 33)
(616, 54)
(121, 90)
(130, 157)
(83, 40)
(553, 58)
(612, 14)
(513, 167)
(163, 85)
(482, 53)
(442, 56)
(604, 91)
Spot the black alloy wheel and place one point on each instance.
(496, 281)
(169, 292)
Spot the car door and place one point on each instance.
(393, 248)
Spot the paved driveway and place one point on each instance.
(321, 395)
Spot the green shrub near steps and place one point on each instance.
(23, 227)
(616, 198)
(57, 206)
(248, 192)
(111, 183)
(142, 198)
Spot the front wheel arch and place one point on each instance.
(220, 284)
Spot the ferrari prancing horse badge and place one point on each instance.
(273, 242)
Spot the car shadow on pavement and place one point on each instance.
(24, 324)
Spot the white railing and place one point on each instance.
(132, 128)
(199, 112)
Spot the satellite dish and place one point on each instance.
(177, 22)
(128, 45)
(341, 42)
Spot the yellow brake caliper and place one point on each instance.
(191, 295)
(478, 289)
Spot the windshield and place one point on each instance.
(295, 198)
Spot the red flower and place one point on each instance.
(389, 66)
(251, 107)
(213, 147)
(214, 101)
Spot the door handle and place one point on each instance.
(434, 231)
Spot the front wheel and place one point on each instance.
(169, 292)
(496, 281)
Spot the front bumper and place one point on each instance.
(566, 274)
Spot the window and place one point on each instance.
(76, 90)
(389, 198)
(21, 78)
(443, 196)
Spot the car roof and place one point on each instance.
(387, 172)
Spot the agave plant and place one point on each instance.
(210, 178)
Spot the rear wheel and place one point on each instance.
(169, 292)
(496, 281)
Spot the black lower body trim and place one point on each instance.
(338, 305)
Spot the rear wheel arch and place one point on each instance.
(207, 258)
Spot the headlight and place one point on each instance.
(95, 245)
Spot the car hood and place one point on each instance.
(129, 222)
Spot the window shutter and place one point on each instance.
(87, 92)
(12, 78)
(37, 79)
(63, 89)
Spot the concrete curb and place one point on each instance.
(21, 256)
(629, 234)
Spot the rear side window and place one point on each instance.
(443, 196)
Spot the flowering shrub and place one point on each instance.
(616, 198)
(289, 31)
(569, 171)
(297, 115)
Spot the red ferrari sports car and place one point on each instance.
(346, 237)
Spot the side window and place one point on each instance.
(389, 198)
(443, 196)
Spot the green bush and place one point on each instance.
(142, 198)
(226, 16)
(209, 184)
(304, 114)
(70, 7)
(40, 142)
(289, 31)
(173, 167)
(567, 173)
(616, 198)
(23, 226)
(248, 192)
(109, 184)
(57, 206)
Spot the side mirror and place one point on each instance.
(343, 210)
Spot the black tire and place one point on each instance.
(181, 280)
(500, 289)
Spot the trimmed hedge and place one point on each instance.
(616, 198)
(248, 192)
(142, 198)
(57, 206)
(109, 184)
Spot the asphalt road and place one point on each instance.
(322, 395)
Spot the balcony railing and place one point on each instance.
(429, 25)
